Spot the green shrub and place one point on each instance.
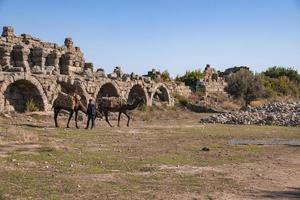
(31, 106)
(277, 72)
(190, 78)
(245, 85)
(281, 86)
(182, 100)
(165, 75)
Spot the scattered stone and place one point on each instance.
(6, 115)
(205, 149)
(279, 113)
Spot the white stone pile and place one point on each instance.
(279, 113)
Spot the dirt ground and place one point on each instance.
(164, 154)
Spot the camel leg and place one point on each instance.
(106, 118)
(56, 111)
(76, 114)
(70, 117)
(125, 112)
(119, 117)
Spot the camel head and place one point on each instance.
(139, 101)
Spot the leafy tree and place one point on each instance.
(277, 72)
(190, 78)
(281, 86)
(245, 85)
(165, 75)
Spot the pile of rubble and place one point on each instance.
(280, 113)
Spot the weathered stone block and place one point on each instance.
(88, 66)
(8, 31)
(68, 42)
(112, 76)
(37, 70)
(15, 69)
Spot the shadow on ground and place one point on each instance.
(291, 193)
(31, 125)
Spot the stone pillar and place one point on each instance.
(8, 31)
(5, 55)
(79, 58)
(72, 61)
(66, 63)
(53, 60)
(20, 57)
(69, 43)
(39, 57)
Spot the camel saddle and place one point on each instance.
(68, 100)
(112, 102)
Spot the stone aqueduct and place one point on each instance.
(32, 69)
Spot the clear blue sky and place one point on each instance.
(176, 35)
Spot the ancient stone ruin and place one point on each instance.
(212, 82)
(37, 70)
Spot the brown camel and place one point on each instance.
(116, 104)
(69, 103)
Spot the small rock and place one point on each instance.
(205, 149)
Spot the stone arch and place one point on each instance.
(71, 87)
(138, 91)
(160, 95)
(18, 89)
(108, 89)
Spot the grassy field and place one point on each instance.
(153, 159)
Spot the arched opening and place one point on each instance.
(108, 90)
(74, 88)
(137, 92)
(20, 93)
(161, 96)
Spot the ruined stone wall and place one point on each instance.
(28, 54)
(179, 88)
(37, 70)
(211, 83)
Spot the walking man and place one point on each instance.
(91, 113)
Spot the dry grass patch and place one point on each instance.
(155, 159)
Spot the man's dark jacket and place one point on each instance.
(91, 109)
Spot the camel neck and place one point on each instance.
(132, 106)
(83, 109)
